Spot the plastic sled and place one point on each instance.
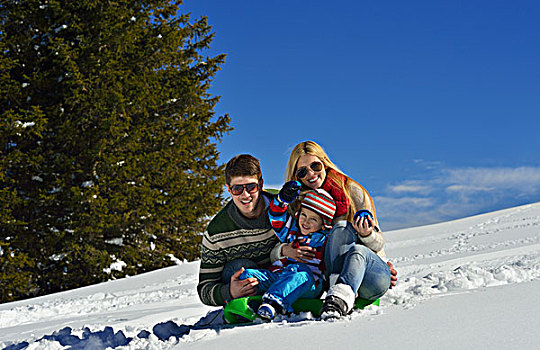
(243, 310)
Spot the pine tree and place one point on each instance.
(108, 136)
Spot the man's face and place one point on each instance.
(246, 202)
(309, 221)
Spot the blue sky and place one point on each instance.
(433, 106)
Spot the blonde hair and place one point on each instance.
(312, 148)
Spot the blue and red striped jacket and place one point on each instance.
(286, 228)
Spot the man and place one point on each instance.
(239, 236)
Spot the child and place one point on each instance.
(287, 280)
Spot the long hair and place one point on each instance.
(340, 179)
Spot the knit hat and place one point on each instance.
(322, 203)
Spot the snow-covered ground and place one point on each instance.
(473, 283)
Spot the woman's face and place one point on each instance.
(313, 179)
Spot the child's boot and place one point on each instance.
(269, 309)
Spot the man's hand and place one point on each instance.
(242, 288)
(301, 253)
(393, 275)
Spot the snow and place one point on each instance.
(116, 266)
(20, 124)
(466, 284)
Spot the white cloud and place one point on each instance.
(451, 193)
(428, 164)
(466, 188)
(411, 187)
(501, 178)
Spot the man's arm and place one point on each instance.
(212, 291)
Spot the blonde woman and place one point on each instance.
(354, 251)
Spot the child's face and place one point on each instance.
(309, 221)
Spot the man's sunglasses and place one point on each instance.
(302, 172)
(239, 189)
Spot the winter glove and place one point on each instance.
(289, 191)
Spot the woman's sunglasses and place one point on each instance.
(239, 189)
(302, 172)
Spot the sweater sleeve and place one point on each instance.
(275, 254)
(279, 217)
(210, 288)
(375, 241)
(362, 200)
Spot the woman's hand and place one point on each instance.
(300, 253)
(393, 274)
(363, 225)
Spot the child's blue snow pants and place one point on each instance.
(287, 285)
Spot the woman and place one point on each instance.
(353, 269)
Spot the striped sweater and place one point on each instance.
(231, 236)
(286, 228)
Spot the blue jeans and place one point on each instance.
(287, 285)
(355, 264)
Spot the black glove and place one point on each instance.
(289, 191)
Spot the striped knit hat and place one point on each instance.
(322, 203)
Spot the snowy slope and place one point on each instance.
(466, 284)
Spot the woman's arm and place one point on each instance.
(369, 232)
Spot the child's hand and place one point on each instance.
(299, 253)
(289, 191)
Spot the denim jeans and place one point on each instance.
(355, 265)
(287, 285)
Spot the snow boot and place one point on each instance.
(339, 301)
(333, 307)
(269, 309)
(266, 311)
